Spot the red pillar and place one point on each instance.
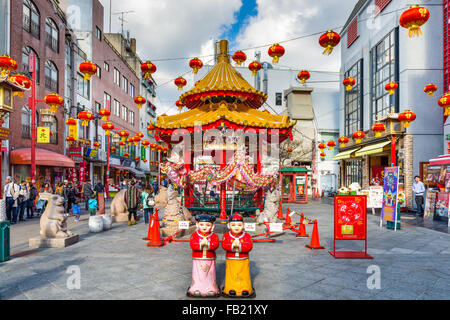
(393, 160)
(32, 104)
(223, 190)
(259, 193)
(187, 166)
(107, 167)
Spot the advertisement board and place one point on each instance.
(390, 194)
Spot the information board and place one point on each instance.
(390, 194)
(350, 217)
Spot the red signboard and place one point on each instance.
(4, 133)
(350, 223)
(75, 151)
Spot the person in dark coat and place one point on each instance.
(132, 199)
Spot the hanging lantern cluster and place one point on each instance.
(407, 117)
(430, 89)
(88, 69)
(343, 141)
(196, 64)
(276, 52)
(108, 127)
(358, 136)
(331, 144)
(329, 40)
(444, 102)
(413, 18)
(148, 69)
(53, 100)
(85, 117)
(7, 64)
(303, 76)
(105, 113)
(21, 81)
(349, 83)
(378, 128)
(140, 101)
(180, 82)
(254, 67)
(239, 57)
(391, 87)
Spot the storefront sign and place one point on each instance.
(430, 205)
(390, 194)
(4, 133)
(43, 135)
(82, 172)
(442, 204)
(91, 153)
(73, 176)
(73, 132)
(75, 151)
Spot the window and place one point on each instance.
(98, 33)
(384, 64)
(98, 106)
(124, 113)
(132, 91)
(107, 101)
(278, 98)
(51, 35)
(106, 66)
(116, 77)
(132, 117)
(116, 108)
(54, 129)
(51, 76)
(31, 18)
(26, 123)
(353, 100)
(353, 171)
(83, 86)
(99, 72)
(25, 62)
(125, 84)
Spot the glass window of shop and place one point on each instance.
(384, 62)
(353, 172)
(353, 100)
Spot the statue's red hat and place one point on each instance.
(236, 217)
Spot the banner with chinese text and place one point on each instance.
(350, 217)
(390, 194)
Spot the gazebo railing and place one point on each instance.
(212, 204)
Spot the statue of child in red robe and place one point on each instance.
(204, 243)
(237, 243)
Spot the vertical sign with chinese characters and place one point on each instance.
(43, 135)
(390, 194)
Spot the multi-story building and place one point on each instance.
(376, 50)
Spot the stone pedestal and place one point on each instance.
(39, 242)
(123, 217)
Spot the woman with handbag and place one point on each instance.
(148, 202)
(22, 199)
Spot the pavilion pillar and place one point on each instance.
(259, 193)
(223, 188)
(187, 190)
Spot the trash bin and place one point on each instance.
(4, 241)
(390, 224)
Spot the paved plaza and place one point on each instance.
(414, 263)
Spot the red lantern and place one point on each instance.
(165, 149)
(323, 155)
(7, 64)
(126, 154)
(148, 69)
(239, 57)
(321, 146)
(140, 101)
(53, 100)
(145, 160)
(329, 40)
(121, 144)
(413, 18)
(96, 145)
(303, 76)
(254, 67)
(153, 146)
(108, 127)
(444, 102)
(145, 143)
(349, 83)
(159, 148)
(150, 128)
(71, 122)
(151, 162)
(180, 82)
(358, 136)
(137, 158)
(343, 140)
(276, 52)
(331, 144)
(21, 81)
(123, 134)
(70, 140)
(85, 117)
(378, 128)
(289, 150)
(140, 135)
(391, 87)
(105, 113)
(406, 118)
(430, 89)
(88, 69)
(51, 133)
(179, 104)
(113, 149)
(196, 64)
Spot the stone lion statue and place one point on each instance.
(175, 211)
(270, 212)
(53, 220)
(119, 209)
(161, 198)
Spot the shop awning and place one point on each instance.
(137, 173)
(345, 154)
(43, 158)
(441, 160)
(120, 167)
(372, 149)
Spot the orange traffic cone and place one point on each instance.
(301, 232)
(288, 218)
(280, 212)
(149, 233)
(155, 239)
(315, 243)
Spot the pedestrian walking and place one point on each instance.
(148, 202)
(99, 188)
(71, 196)
(88, 191)
(10, 194)
(93, 205)
(31, 199)
(419, 190)
(76, 211)
(124, 184)
(132, 198)
(22, 199)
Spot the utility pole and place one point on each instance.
(122, 19)
(110, 14)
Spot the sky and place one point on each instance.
(171, 32)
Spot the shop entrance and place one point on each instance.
(294, 185)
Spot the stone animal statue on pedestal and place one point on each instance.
(119, 209)
(53, 221)
(161, 198)
(174, 211)
(270, 212)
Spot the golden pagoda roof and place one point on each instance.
(237, 113)
(223, 81)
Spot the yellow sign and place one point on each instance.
(73, 131)
(347, 229)
(43, 135)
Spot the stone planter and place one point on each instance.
(107, 221)
(95, 224)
